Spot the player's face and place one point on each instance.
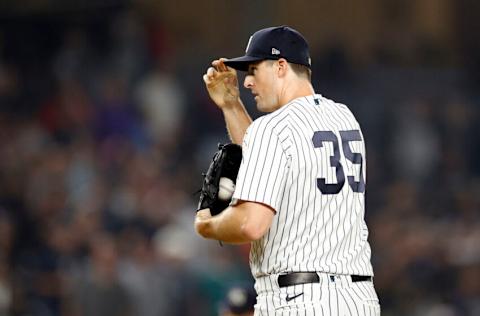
(261, 80)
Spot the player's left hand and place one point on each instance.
(215, 193)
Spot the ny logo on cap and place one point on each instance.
(248, 44)
(275, 51)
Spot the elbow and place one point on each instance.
(252, 231)
(256, 221)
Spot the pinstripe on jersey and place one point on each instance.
(311, 231)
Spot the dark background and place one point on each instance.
(105, 128)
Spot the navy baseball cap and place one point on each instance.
(273, 43)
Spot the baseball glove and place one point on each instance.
(225, 164)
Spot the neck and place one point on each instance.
(295, 89)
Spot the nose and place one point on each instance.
(248, 82)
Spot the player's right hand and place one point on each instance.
(201, 219)
(222, 84)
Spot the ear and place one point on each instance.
(282, 67)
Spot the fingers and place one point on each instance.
(210, 75)
(218, 71)
(205, 79)
(220, 65)
(211, 71)
(204, 214)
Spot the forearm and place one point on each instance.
(228, 226)
(237, 121)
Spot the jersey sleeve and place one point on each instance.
(264, 168)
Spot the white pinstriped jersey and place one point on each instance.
(307, 161)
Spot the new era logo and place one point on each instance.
(275, 51)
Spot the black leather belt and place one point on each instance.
(296, 278)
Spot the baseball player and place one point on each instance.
(300, 190)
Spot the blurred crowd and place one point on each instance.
(104, 137)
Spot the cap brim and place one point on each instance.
(241, 63)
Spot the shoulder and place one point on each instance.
(274, 121)
(334, 105)
(268, 129)
(338, 109)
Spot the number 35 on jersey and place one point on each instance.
(346, 137)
